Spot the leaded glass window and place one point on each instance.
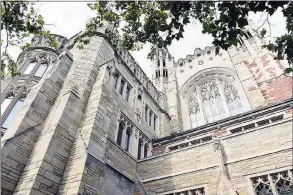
(279, 183)
(12, 113)
(213, 100)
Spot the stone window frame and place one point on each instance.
(116, 84)
(135, 135)
(225, 74)
(269, 175)
(40, 59)
(193, 188)
(148, 111)
(12, 108)
(16, 92)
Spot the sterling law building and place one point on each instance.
(90, 121)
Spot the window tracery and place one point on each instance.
(275, 183)
(213, 99)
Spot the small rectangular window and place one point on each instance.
(29, 69)
(164, 63)
(41, 70)
(12, 114)
(158, 63)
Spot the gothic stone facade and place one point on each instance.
(91, 122)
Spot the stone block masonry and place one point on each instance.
(94, 123)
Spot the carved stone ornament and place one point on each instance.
(216, 144)
(136, 133)
(43, 58)
(19, 89)
(140, 90)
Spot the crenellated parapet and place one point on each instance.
(199, 55)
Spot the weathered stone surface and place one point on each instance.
(94, 123)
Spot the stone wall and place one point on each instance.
(246, 153)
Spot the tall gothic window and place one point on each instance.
(121, 87)
(139, 148)
(120, 132)
(127, 93)
(5, 104)
(127, 140)
(146, 148)
(146, 114)
(155, 123)
(150, 118)
(213, 100)
(12, 113)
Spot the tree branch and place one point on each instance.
(6, 28)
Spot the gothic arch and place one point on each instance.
(210, 95)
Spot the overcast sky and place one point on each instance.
(70, 17)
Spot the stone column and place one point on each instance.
(150, 149)
(134, 145)
(142, 149)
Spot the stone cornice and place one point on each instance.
(286, 104)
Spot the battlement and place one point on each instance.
(198, 55)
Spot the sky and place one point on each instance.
(68, 18)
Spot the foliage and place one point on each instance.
(160, 22)
(155, 22)
(20, 21)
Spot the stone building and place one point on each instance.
(91, 122)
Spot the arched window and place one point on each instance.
(140, 144)
(120, 132)
(146, 148)
(211, 100)
(12, 113)
(127, 140)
